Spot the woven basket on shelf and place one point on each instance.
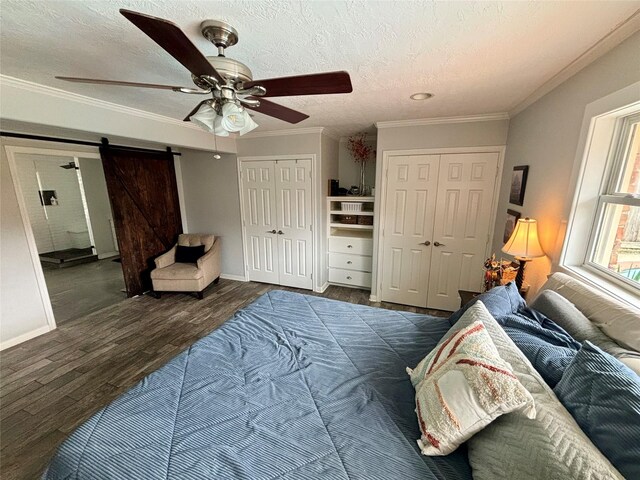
(350, 219)
(365, 220)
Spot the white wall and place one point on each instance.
(329, 148)
(349, 171)
(100, 215)
(545, 137)
(212, 203)
(51, 224)
(23, 313)
(442, 135)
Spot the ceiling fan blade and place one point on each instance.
(313, 84)
(119, 83)
(169, 36)
(187, 118)
(278, 111)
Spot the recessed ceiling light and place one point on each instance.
(421, 96)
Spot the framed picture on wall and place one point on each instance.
(518, 184)
(48, 197)
(510, 224)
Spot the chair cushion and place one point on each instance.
(177, 271)
(604, 397)
(195, 239)
(189, 254)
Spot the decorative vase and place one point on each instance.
(362, 167)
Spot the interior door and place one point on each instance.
(411, 189)
(294, 215)
(461, 229)
(259, 197)
(146, 211)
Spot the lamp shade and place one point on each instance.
(524, 243)
(204, 117)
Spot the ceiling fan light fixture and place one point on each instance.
(421, 96)
(205, 117)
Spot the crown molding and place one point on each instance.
(32, 87)
(368, 138)
(289, 131)
(615, 37)
(489, 117)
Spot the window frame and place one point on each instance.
(592, 187)
(610, 195)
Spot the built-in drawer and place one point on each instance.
(350, 277)
(350, 262)
(358, 246)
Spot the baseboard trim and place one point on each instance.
(373, 298)
(323, 287)
(24, 337)
(237, 278)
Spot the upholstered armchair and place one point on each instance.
(170, 276)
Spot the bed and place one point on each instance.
(293, 387)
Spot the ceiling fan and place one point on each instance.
(229, 82)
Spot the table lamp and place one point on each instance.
(524, 245)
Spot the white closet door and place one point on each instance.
(461, 229)
(412, 183)
(294, 214)
(259, 197)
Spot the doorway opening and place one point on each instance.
(65, 199)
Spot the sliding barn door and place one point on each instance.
(293, 187)
(412, 183)
(144, 198)
(461, 227)
(259, 197)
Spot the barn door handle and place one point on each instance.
(426, 243)
(271, 231)
(438, 244)
(280, 232)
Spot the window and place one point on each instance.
(615, 240)
(601, 245)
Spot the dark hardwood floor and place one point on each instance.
(51, 384)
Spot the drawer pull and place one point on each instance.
(349, 246)
(349, 262)
(348, 278)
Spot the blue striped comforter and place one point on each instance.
(293, 387)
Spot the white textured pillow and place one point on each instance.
(463, 385)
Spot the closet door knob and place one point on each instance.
(271, 231)
(426, 243)
(280, 232)
(438, 244)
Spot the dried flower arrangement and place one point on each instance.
(360, 151)
(498, 272)
(361, 154)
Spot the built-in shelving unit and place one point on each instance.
(350, 244)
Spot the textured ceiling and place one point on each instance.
(476, 57)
